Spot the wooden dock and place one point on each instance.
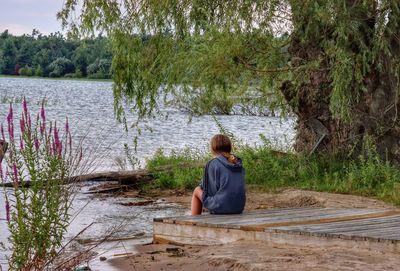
(363, 228)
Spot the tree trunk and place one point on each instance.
(374, 114)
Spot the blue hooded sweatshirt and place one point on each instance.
(223, 186)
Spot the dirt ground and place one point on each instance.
(260, 255)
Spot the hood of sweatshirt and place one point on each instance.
(233, 167)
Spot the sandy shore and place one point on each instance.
(259, 255)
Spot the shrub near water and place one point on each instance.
(269, 170)
(37, 214)
(179, 169)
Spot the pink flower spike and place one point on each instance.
(41, 129)
(60, 148)
(22, 124)
(42, 113)
(21, 143)
(8, 211)
(10, 122)
(36, 141)
(10, 112)
(25, 106)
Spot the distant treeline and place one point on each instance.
(54, 56)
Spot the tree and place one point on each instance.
(42, 59)
(80, 59)
(8, 57)
(99, 69)
(38, 51)
(60, 67)
(26, 51)
(335, 64)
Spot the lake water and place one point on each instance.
(89, 107)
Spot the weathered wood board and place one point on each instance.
(366, 228)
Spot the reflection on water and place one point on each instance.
(89, 107)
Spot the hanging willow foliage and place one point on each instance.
(324, 59)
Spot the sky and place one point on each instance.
(21, 16)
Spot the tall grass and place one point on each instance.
(268, 170)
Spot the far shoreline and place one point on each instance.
(56, 78)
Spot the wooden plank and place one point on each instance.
(360, 229)
(382, 229)
(388, 228)
(263, 218)
(248, 219)
(320, 221)
(371, 236)
(251, 213)
(345, 224)
(275, 220)
(304, 217)
(246, 214)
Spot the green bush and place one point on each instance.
(26, 71)
(178, 169)
(39, 71)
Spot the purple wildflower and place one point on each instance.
(41, 129)
(25, 106)
(42, 113)
(8, 211)
(51, 128)
(57, 142)
(60, 148)
(10, 112)
(36, 141)
(10, 122)
(22, 124)
(21, 143)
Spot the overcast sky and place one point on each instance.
(21, 16)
